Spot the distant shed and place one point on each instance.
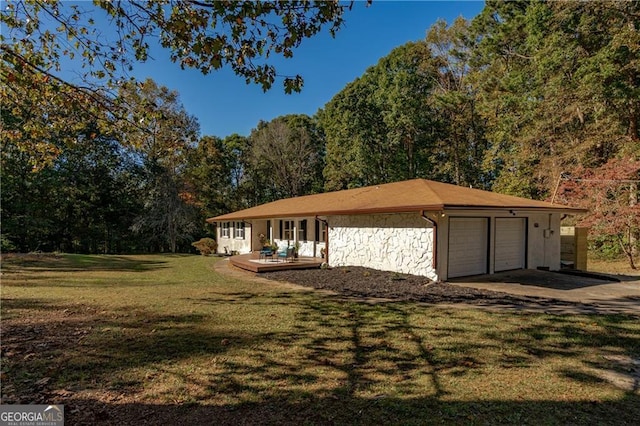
(573, 247)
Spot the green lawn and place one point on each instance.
(165, 339)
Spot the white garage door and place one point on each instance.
(468, 246)
(510, 244)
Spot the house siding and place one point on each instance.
(310, 247)
(544, 241)
(390, 242)
(231, 243)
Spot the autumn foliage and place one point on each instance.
(610, 192)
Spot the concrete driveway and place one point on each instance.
(595, 295)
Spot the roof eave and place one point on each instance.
(335, 212)
(558, 209)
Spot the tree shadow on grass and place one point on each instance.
(370, 347)
(80, 346)
(340, 362)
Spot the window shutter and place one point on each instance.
(281, 229)
(317, 231)
(303, 226)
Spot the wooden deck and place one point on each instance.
(252, 262)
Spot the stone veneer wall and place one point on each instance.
(306, 248)
(400, 242)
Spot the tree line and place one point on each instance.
(148, 184)
(528, 98)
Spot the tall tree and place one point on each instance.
(381, 127)
(25, 222)
(558, 88)
(164, 133)
(461, 145)
(104, 40)
(245, 186)
(84, 201)
(287, 154)
(354, 134)
(506, 96)
(208, 178)
(404, 81)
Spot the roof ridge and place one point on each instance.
(427, 183)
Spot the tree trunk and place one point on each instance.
(634, 117)
(634, 236)
(409, 147)
(173, 234)
(627, 251)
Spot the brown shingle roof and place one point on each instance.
(406, 196)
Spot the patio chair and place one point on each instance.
(286, 254)
(266, 252)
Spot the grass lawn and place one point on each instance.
(619, 266)
(164, 339)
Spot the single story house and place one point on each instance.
(417, 226)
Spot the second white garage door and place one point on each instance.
(510, 244)
(468, 246)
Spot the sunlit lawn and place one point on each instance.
(167, 334)
(620, 266)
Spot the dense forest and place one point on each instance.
(536, 99)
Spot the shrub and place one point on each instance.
(206, 246)
(6, 245)
(605, 247)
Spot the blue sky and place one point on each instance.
(224, 104)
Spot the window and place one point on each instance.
(269, 231)
(321, 231)
(225, 230)
(288, 230)
(239, 230)
(302, 230)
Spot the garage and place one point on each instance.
(468, 246)
(511, 243)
